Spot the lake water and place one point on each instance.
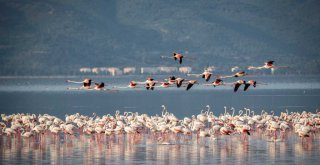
(49, 95)
(82, 150)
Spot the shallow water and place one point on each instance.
(49, 95)
(224, 150)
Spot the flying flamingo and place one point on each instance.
(171, 80)
(237, 84)
(248, 83)
(86, 83)
(132, 84)
(164, 85)
(176, 56)
(215, 83)
(205, 75)
(267, 65)
(150, 83)
(179, 81)
(238, 74)
(191, 83)
(253, 83)
(99, 86)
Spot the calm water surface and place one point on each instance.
(49, 95)
(225, 150)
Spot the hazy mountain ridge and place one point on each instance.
(59, 37)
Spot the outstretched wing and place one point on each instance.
(147, 86)
(246, 86)
(236, 87)
(179, 83)
(207, 78)
(180, 60)
(189, 86)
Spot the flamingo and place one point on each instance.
(238, 74)
(164, 85)
(132, 124)
(26, 134)
(225, 130)
(267, 65)
(176, 56)
(5, 118)
(8, 131)
(206, 75)
(248, 83)
(150, 83)
(179, 82)
(237, 84)
(86, 83)
(216, 82)
(171, 80)
(132, 84)
(99, 86)
(191, 83)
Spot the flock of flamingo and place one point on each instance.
(165, 128)
(173, 81)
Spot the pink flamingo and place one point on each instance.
(267, 65)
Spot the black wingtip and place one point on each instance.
(246, 86)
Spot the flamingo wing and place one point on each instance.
(180, 60)
(147, 86)
(246, 86)
(189, 86)
(179, 83)
(207, 78)
(152, 86)
(236, 87)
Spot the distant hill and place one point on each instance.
(57, 37)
